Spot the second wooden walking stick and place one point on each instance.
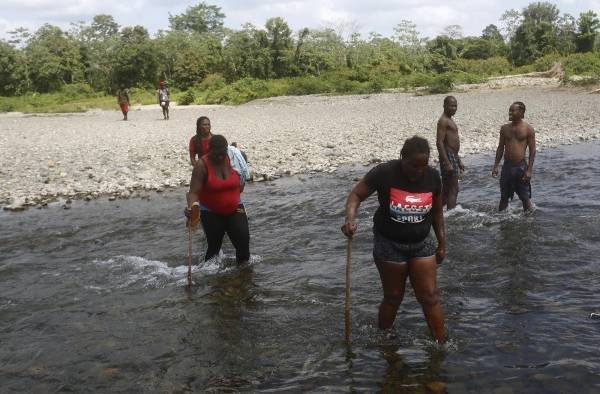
(348, 284)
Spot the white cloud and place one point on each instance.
(431, 16)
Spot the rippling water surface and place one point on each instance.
(93, 298)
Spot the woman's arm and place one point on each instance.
(359, 193)
(193, 160)
(438, 226)
(196, 183)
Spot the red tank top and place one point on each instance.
(221, 196)
(205, 145)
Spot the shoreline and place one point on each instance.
(95, 154)
(351, 171)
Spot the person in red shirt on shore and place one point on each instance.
(215, 188)
(199, 143)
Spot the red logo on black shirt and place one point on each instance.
(407, 207)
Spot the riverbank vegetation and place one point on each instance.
(52, 70)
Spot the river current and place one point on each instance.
(94, 298)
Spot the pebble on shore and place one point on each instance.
(89, 155)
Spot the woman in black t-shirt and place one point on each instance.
(410, 202)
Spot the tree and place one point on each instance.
(104, 27)
(510, 21)
(53, 59)
(454, 32)
(588, 25)
(135, 60)
(280, 43)
(566, 34)
(491, 33)
(19, 37)
(247, 54)
(443, 51)
(541, 12)
(477, 48)
(322, 50)
(10, 67)
(537, 34)
(201, 18)
(406, 35)
(97, 43)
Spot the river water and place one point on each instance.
(93, 298)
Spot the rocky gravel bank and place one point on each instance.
(86, 156)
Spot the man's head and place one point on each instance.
(218, 148)
(516, 111)
(450, 105)
(162, 84)
(203, 126)
(415, 157)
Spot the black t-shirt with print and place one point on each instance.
(405, 208)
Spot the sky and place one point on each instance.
(364, 16)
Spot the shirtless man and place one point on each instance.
(448, 145)
(515, 138)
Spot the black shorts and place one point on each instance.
(387, 250)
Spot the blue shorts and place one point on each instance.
(511, 181)
(454, 162)
(385, 249)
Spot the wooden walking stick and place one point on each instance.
(192, 225)
(348, 283)
(189, 274)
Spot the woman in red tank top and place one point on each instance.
(215, 186)
(200, 142)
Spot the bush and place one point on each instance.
(307, 85)
(76, 89)
(212, 82)
(416, 80)
(187, 98)
(6, 107)
(546, 62)
(238, 92)
(492, 66)
(443, 83)
(377, 85)
(462, 77)
(142, 96)
(582, 64)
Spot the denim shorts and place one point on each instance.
(397, 252)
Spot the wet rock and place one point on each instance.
(436, 387)
(111, 373)
(16, 206)
(112, 198)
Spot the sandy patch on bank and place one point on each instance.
(95, 154)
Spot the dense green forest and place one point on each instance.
(205, 62)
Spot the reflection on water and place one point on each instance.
(93, 298)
